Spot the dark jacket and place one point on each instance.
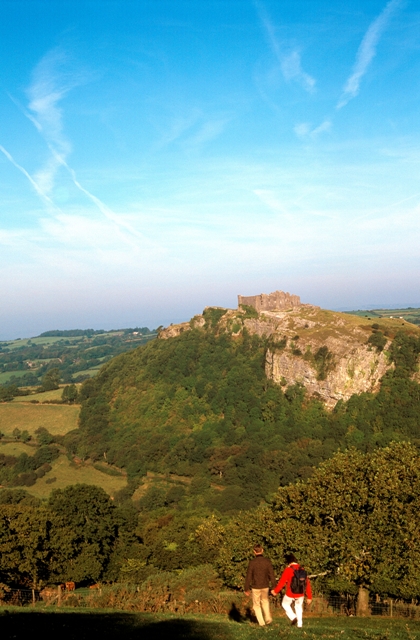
(260, 574)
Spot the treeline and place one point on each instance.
(78, 535)
(24, 470)
(81, 535)
(353, 525)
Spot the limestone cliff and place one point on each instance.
(326, 351)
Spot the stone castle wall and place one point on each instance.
(276, 301)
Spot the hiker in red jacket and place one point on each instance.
(294, 576)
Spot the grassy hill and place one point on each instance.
(198, 427)
(188, 430)
(23, 418)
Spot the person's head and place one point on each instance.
(290, 558)
(258, 550)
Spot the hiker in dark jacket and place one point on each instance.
(258, 578)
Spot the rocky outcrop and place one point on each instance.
(357, 370)
(325, 351)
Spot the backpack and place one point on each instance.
(298, 582)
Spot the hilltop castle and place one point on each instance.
(276, 301)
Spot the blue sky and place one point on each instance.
(160, 156)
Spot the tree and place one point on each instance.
(355, 519)
(83, 532)
(70, 394)
(25, 550)
(51, 380)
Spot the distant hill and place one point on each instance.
(77, 353)
(409, 314)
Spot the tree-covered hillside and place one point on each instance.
(199, 405)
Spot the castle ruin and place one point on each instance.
(276, 301)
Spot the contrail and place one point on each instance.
(45, 93)
(28, 176)
(290, 64)
(106, 211)
(366, 53)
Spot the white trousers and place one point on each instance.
(298, 612)
(261, 606)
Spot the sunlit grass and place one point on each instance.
(46, 396)
(67, 473)
(58, 419)
(16, 448)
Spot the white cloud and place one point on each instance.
(292, 70)
(50, 84)
(209, 131)
(367, 52)
(304, 130)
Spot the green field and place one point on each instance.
(69, 624)
(89, 372)
(67, 473)
(53, 340)
(45, 396)
(25, 362)
(5, 376)
(58, 419)
(409, 314)
(16, 448)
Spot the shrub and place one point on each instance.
(324, 362)
(250, 312)
(377, 340)
(212, 316)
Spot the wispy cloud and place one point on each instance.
(209, 130)
(290, 63)
(367, 52)
(292, 70)
(304, 129)
(51, 81)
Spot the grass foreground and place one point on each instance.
(67, 624)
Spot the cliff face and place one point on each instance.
(326, 351)
(356, 371)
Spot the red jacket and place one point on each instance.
(286, 579)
